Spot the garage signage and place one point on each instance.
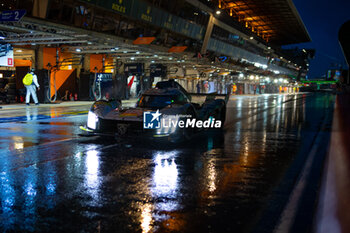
(6, 55)
(12, 16)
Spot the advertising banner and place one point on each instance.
(143, 11)
(6, 55)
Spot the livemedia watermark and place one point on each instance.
(157, 120)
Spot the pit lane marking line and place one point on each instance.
(288, 215)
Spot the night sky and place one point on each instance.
(323, 18)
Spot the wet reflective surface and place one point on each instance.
(220, 181)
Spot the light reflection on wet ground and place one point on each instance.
(218, 182)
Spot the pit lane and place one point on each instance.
(220, 181)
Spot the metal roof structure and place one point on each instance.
(276, 21)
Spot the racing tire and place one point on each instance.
(184, 134)
(222, 115)
(187, 133)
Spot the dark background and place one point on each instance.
(323, 18)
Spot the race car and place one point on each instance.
(164, 111)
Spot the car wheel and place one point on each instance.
(222, 115)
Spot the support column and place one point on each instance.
(86, 63)
(207, 34)
(40, 8)
(39, 58)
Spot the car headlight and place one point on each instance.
(92, 120)
(168, 124)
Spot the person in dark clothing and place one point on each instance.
(198, 87)
(3, 91)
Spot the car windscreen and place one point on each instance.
(155, 101)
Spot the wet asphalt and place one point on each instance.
(54, 180)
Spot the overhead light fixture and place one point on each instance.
(33, 44)
(155, 55)
(132, 58)
(269, 47)
(152, 61)
(195, 13)
(112, 49)
(19, 50)
(251, 38)
(218, 12)
(170, 58)
(125, 51)
(78, 50)
(138, 52)
(2, 38)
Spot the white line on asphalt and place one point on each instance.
(290, 210)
